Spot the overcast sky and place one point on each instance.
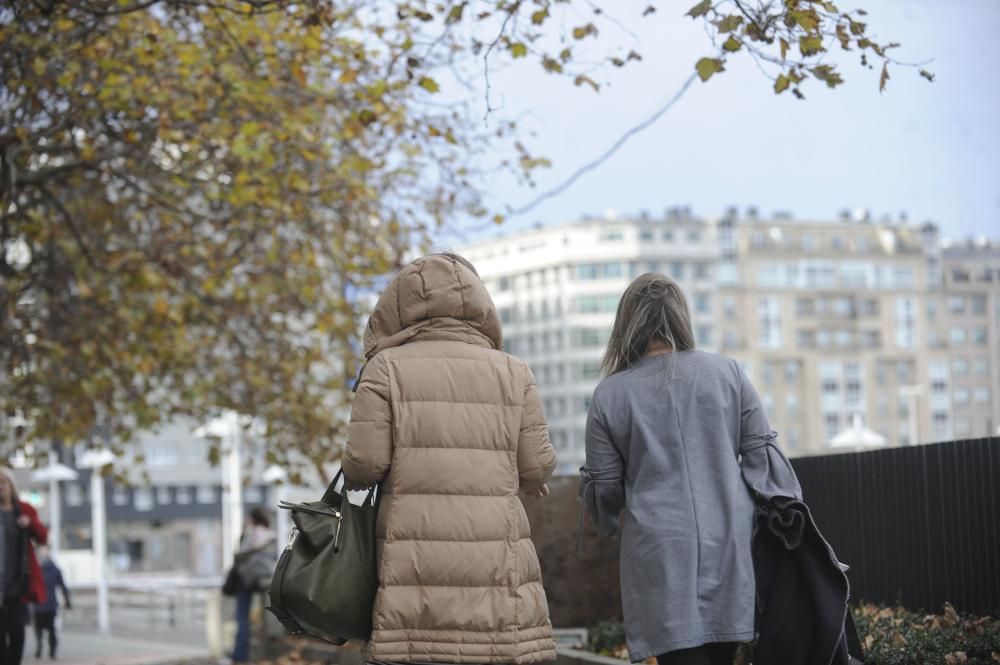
(929, 149)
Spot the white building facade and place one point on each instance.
(830, 319)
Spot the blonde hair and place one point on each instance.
(8, 475)
(652, 307)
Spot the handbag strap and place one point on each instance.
(331, 495)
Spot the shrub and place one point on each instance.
(889, 635)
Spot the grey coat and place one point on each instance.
(674, 447)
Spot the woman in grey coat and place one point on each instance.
(677, 443)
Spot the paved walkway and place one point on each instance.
(80, 648)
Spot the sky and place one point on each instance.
(931, 150)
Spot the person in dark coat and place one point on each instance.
(45, 613)
(20, 577)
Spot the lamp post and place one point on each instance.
(227, 429)
(54, 473)
(95, 460)
(276, 476)
(914, 393)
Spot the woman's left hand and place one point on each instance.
(538, 492)
(23, 521)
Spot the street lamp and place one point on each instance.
(277, 477)
(54, 473)
(913, 392)
(95, 460)
(227, 428)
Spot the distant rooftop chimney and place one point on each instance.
(732, 211)
(752, 212)
(644, 215)
(537, 226)
(903, 217)
(782, 214)
(844, 215)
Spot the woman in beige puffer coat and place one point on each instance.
(452, 427)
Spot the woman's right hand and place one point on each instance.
(537, 492)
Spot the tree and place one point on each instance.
(194, 193)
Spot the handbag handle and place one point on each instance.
(331, 494)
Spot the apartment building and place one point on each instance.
(831, 319)
(556, 290)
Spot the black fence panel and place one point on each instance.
(918, 525)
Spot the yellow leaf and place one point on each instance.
(64, 24)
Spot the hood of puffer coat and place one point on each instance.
(433, 298)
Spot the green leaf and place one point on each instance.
(732, 44)
(706, 67)
(728, 23)
(807, 19)
(700, 9)
(781, 84)
(539, 17)
(884, 78)
(455, 15)
(810, 45)
(429, 84)
(784, 47)
(518, 49)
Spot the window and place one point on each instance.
(941, 425)
(143, 498)
(767, 373)
(587, 271)
(978, 304)
(506, 315)
(582, 404)
(979, 367)
(831, 425)
(702, 271)
(702, 303)
(769, 319)
(961, 396)
(869, 307)
(962, 427)
(74, 494)
(904, 372)
(728, 273)
(730, 340)
(614, 270)
(163, 496)
(677, 270)
(981, 395)
(906, 322)
(808, 242)
(959, 367)
(206, 494)
(791, 404)
(252, 494)
(590, 370)
(957, 336)
(646, 235)
(504, 284)
(693, 236)
(871, 339)
(956, 304)
(589, 338)
(979, 336)
(615, 235)
(704, 335)
(596, 304)
(844, 338)
(805, 339)
(668, 236)
(853, 386)
(119, 495)
(729, 307)
(805, 307)
(183, 495)
(931, 310)
(791, 371)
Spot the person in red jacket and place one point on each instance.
(21, 580)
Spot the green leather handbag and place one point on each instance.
(325, 582)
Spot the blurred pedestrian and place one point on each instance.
(21, 579)
(45, 613)
(453, 428)
(253, 565)
(677, 446)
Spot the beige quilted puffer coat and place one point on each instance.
(453, 427)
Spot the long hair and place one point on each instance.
(653, 307)
(6, 473)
